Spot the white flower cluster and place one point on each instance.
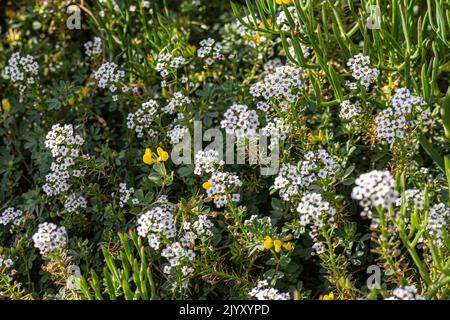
(406, 293)
(283, 22)
(156, 223)
(158, 226)
(93, 48)
(175, 253)
(74, 202)
(109, 76)
(359, 66)
(284, 83)
(11, 215)
(22, 70)
(142, 119)
(406, 113)
(177, 101)
(167, 61)
(349, 110)
(210, 51)
(315, 212)
(206, 161)
(375, 188)
(177, 133)
(49, 237)
(276, 127)
(125, 195)
(240, 121)
(202, 225)
(438, 221)
(222, 183)
(262, 291)
(314, 166)
(413, 198)
(65, 148)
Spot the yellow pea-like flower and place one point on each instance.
(206, 185)
(71, 101)
(163, 155)
(6, 105)
(268, 243)
(147, 158)
(277, 245)
(288, 246)
(329, 296)
(286, 2)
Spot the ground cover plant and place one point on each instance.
(258, 149)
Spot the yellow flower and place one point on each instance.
(268, 243)
(148, 157)
(71, 101)
(6, 105)
(329, 296)
(288, 246)
(321, 137)
(277, 244)
(206, 185)
(163, 155)
(286, 2)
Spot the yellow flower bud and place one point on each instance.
(6, 105)
(288, 246)
(84, 92)
(71, 101)
(277, 245)
(329, 296)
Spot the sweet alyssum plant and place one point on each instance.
(94, 205)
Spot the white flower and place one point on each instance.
(11, 215)
(349, 110)
(359, 66)
(406, 113)
(206, 161)
(177, 101)
(315, 212)
(375, 188)
(74, 202)
(94, 48)
(109, 76)
(223, 183)
(210, 51)
(142, 119)
(49, 237)
(177, 133)
(314, 166)
(240, 121)
(262, 291)
(406, 293)
(21, 70)
(283, 84)
(64, 145)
